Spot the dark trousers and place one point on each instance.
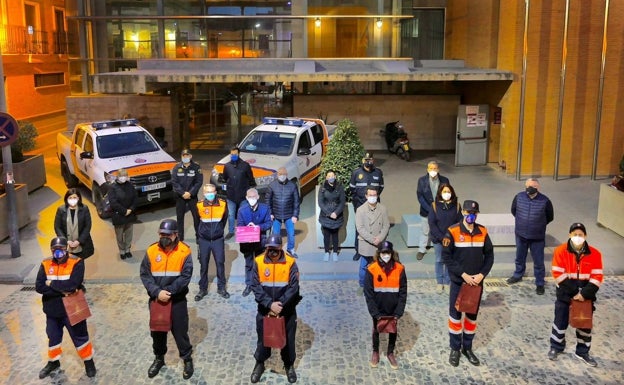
(461, 330)
(217, 248)
(182, 206)
(559, 327)
(392, 337)
(536, 246)
(179, 329)
(330, 239)
(249, 262)
(288, 352)
(78, 333)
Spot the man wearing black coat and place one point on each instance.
(238, 178)
(123, 199)
(283, 199)
(426, 191)
(186, 180)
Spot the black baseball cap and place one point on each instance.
(579, 226)
(386, 246)
(472, 206)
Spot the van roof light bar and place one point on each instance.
(284, 121)
(115, 123)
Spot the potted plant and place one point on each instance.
(344, 154)
(23, 216)
(27, 169)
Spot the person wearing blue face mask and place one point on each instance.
(468, 254)
(212, 214)
(238, 178)
(186, 181)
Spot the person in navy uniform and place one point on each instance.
(186, 180)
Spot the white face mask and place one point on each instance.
(122, 179)
(433, 174)
(252, 201)
(282, 178)
(72, 202)
(372, 200)
(577, 240)
(385, 257)
(446, 196)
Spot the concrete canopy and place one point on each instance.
(152, 74)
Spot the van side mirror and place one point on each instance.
(86, 155)
(303, 151)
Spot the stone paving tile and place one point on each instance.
(333, 339)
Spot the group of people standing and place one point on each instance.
(464, 256)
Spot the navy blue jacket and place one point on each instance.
(239, 178)
(185, 179)
(425, 195)
(444, 216)
(532, 215)
(283, 198)
(360, 180)
(259, 216)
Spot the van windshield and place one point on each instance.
(268, 142)
(124, 144)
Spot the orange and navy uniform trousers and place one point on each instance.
(171, 271)
(64, 277)
(385, 290)
(574, 272)
(212, 218)
(271, 282)
(465, 252)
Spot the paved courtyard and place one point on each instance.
(333, 338)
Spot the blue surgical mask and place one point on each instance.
(186, 159)
(234, 157)
(210, 196)
(331, 180)
(470, 218)
(59, 254)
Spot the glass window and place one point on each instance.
(422, 38)
(304, 141)
(88, 145)
(129, 143)
(317, 133)
(79, 137)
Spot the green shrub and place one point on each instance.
(25, 140)
(344, 152)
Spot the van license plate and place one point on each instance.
(152, 187)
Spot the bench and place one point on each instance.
(410, 229)
(500, 227)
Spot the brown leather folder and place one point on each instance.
(76, 307)
(387, 324)
(274, 332)
(468, 299)
(160, 316)
(581, 314)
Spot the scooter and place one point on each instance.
(396, 140)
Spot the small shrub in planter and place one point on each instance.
(25, 140)
(344, 152)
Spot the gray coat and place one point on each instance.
(370, 223)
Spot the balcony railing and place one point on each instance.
(24, 40)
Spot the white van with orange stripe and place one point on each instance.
(94, 152)
(298, 144)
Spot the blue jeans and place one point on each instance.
(441, 272)
(232, 210)
(290, 231)
(364, 262)
(536, 246)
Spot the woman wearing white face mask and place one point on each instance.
(445, 211)
(385, 290)
(73, 222)
(331, 201)
(577, 270)
(123, 199)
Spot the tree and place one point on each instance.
(344, 152)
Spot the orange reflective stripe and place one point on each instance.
(54, 352)
(274, 274)
(85, 351)
(455, 326)
(469, 326)
(211, 213)
(62, 272)
(388, 283)
(468, 240)
(167, 265)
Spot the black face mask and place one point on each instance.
(369, 165)
(165, 242)
(531, 190)
(272, 253)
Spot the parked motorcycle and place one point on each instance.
(396, 140)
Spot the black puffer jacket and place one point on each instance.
(331, 199)
(283, 199)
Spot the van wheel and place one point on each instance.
(100, 201)
(69, 179)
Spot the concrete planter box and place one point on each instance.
(23, 216)
(610, 209)
(31, 172)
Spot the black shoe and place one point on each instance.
(247, 291)
(539, 290)
(471, 357)
(586, 358)
(49, 368)
(223, 293)
(90, 368)
(356, 257)
(229, 236)
(122, 255)
(257, 372)
(188, 369)
(158, 363)
(552, 354)
(454, 357)
(511, 280)
(201, 294)
(128, 255)
(290, 373)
